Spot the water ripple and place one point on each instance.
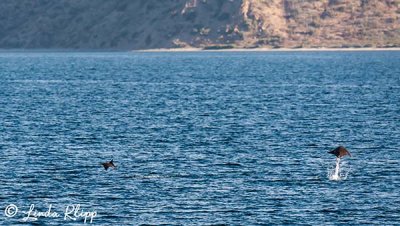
(202, 138)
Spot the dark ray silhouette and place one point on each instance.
(340, 152)
(108, 164)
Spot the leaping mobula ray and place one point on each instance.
(109, 164)
(340, 152)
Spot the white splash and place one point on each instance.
(337, 174)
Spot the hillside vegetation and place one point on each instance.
(146, 24)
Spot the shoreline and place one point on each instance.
(270, 50)
(198, 50)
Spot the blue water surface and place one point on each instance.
(201, 138)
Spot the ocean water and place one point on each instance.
(207, 138)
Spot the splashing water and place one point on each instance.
(336, 174)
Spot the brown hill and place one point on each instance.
(145, 24)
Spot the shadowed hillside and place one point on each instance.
(145, 24)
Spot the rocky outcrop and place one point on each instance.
(146, 24)
(327, 23)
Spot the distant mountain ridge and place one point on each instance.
(148, 24)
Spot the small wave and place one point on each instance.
(232, 164)
(145, 177)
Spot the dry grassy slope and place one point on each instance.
(329, 23)
(143, 24)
